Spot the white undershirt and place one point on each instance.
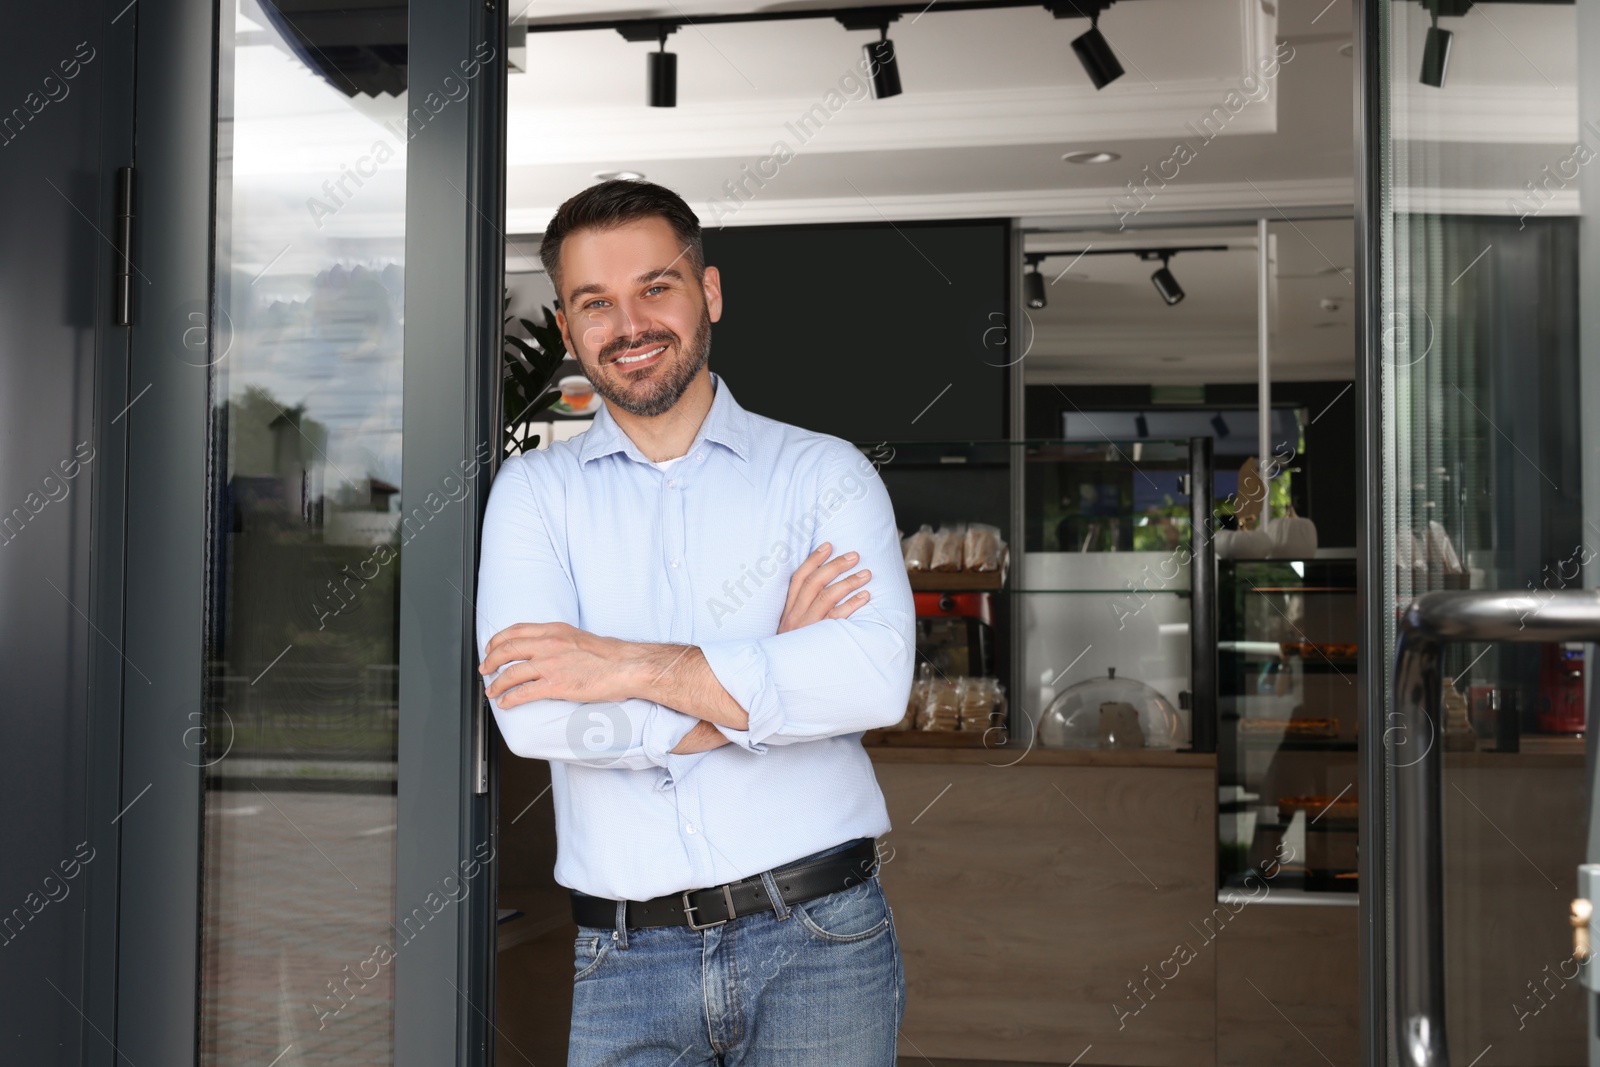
(664, 464)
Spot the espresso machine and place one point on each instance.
(955, 632)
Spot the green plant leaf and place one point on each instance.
(529, 367)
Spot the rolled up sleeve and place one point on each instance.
(837, 676)
(521, 578)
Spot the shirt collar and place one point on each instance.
(726, 423)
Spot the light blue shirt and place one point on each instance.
(590, 533)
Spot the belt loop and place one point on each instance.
(779, 906)
(622, 924)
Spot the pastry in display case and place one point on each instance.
(955, 704)
(1287, 739)
(962, 555)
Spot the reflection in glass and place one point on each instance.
(1288, 733)
(1480, 381)
(300, 730)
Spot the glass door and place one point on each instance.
(309, 866)
(1484, 371)
(301, 730)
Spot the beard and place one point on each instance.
(658, 389)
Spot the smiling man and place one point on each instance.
(661, 616)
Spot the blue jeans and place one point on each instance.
(815, 984)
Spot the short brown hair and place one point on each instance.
(616, 203)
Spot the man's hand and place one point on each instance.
(811, 599)
(558, 660)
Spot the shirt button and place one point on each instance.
(676, 562)
(699, 457)
(689, 829)
(672, 483)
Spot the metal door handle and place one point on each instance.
(1582, 911)
(480, 744)
(1413, 769)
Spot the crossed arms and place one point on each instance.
(557, 660)
(839, 662)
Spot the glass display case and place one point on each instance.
(1110, 712)
(1287, 728)
(1092, 581)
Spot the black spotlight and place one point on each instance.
(663, 76)
(1141, 425)
(881, 61)
(1219, 424)
(1166, 284)
(1094, 52)
(1033, 284)
(1435, 55)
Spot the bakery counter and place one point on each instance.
(1514, 834)
(974, 754)
(1031, 887)
(1537, 751)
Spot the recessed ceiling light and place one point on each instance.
(1347, 49)
(1091, 157)
(611, 175)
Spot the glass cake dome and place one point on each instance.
(1112, 712)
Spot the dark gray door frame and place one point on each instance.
(160, 789)
(105, 608)
(455, 262)
(1372, 583)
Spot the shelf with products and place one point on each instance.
(1095, 560)
(1287, 744)
(1082, 497)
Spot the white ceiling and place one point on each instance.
(992, 100)
(1104, 323)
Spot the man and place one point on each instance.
(715, 811)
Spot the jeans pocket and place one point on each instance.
(849, 915)
(587, 955)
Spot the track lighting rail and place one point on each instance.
(1163, 252)
(852, 18)
(1033, 284)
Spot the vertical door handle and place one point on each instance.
(122, 247)
(1581, 915)
(480, 744)
(1582, 910)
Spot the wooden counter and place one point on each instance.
(1006, 756)
(1031, 898)
(1514, 827)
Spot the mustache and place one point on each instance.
(622, 344)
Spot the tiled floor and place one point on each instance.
(299, 892)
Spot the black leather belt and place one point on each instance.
(701, 909)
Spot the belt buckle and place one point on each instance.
(690, 909)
